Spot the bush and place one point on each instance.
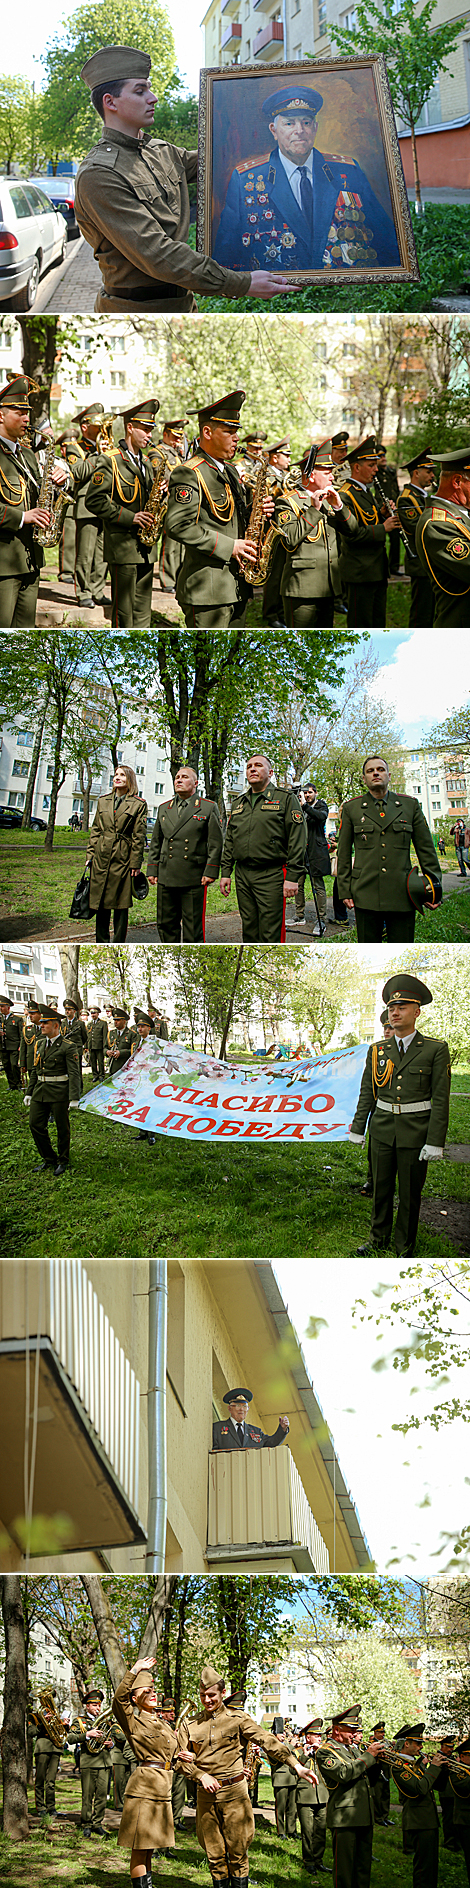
(442, 238)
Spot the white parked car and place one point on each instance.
(32, 236)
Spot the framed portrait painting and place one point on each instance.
(300, 172)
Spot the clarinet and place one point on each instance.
(391, 511)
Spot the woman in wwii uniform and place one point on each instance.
(147, 1818)
(116, 849)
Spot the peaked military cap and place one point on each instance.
(254, 439)
(453, 461)
(339, 439)
(384, 1018)
(234, 1396)
(292, 98)
(210, 1677)
(401, 985)
(236, 1701)
(314, 1724)
(16, 391)
(423, 457)
(227, 409)
(142, 1017)
(380, 1726)
(93, 1693)
(423, 888)
(120, 1012)
(115, 62)
(64, 439)
(95, 1006)
(70, 1000)
(280, 445)
(464, 1746)
(173, 426)
(351, 1717)
(145, 411)
(45, 1010)
(412, 1730)
(5, 998)
(33, 1005)
(91, 412)
(367, 449)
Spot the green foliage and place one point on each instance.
(415, 51)
(368, 1669)
(441, 422)
(19, 122)
(426, 1303)
(70, 124)
(456, 728)
(442, 238)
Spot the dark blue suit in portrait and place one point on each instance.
(262, 226)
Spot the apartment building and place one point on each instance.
(441, 782)
(148, 758)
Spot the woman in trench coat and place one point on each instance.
(116, 849)
(147, 1818)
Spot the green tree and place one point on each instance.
(414, 50)
(456, 728)
(446, 970)
(430, 1305)
(281, 370)
(17, 122)
(367, 1668)
(70, 124)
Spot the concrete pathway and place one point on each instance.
(73, 288)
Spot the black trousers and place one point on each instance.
(387, 1162)
(11, 1066)
(367, 605)
(181, 909)
(312, 1819)
(120, 925)
(284, 1798)
(352, 1857)
(450, 1834)
(425, 1847)
(399, 926)
(46, 1100)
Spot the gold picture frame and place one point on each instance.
(247, 227)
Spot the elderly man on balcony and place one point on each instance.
(236, 1433)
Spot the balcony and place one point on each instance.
(231, 39)
(87, 1448)
(262, 6)
(269, 42)
(228, 8)
(258, 1513)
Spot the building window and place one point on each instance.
(50, 975)
(141, 747)
(16, 799)
(296, 6)
(349, 20)
(21, 767)
(87, 343)
(83, 380)
(18, 967)
(119, 343)
(118, 380)
(322, 19)
(297, 52)
(24, 738)
(140, 770)
(46, 801)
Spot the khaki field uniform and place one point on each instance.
(120, 486)
(265, 832)
(411, 503)
(374, 859)
(225, 1823)
(46, 1764)
(147, 1820)
(132, 205)
(97, 1034)
(186, 842)
(408, 1099)
(94, 1773)
(311, 1800)
(21, 557)
(285, 1783)
(11, 1036)
(207, 511)
(443, 546)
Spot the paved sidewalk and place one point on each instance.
(58, 608)
(73, 288)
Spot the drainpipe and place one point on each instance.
(156, 1403)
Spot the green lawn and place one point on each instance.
(178, 1199)
(58, 1852)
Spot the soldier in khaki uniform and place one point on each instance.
(405, 1089)
(10, 1042)
(311, 1799)
(250, 456)
(265, 833)
(171, 552)
(30, 1034)
(53, 1088)
(21, 557)
(363, 555)
(415, 1783)
(97, 1038)
(118, 496)
(83, 455)
(132, 202)
(411, 503)
(377, 830)
(159, 1023)
(123, 1765)
(349, 1775)
(307, 520)
(185, 849)
(122, 1040)
(225, 1822)
(94, 1771)
(443, 541)
(147, 1818)
(208, 510)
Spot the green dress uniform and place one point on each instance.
(186, 842)
(21, 557)
(443, 546)
(29, 1037)
(11, 1033)
(311, 578)
(415, 1783)
(207, 511)
(94, 1778)
(350, 1810)
(121, 1045)
(380, 834)
(77, 1030)
(83, 457)
(411, 503)
(407, 1098)
(54, 1081)
(363, 560)
(225, 1823)
(97, 1034)
(132, 205)
(285, 1785)
(311, 1801)
(273, 612)
(120, 487)
(46, 1764)
(265, 833)
(171, 551)
(460, 1786)
(116, 848)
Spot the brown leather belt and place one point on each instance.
(240, 1778)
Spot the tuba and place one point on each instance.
(262, 530)
(190, 1708)
(157, 499)
(50, 500)
(105, 440)
(47, 1720)
(98, 1735)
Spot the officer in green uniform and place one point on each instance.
(250, 456)
(83, 455)
(208, 512)
(132, 202)
(411, 503)
(381, 1789)
(67, 544)
(46, 1764)
(97, 1038)
(185, 848)
(123, 1764)
(118, 494)
(277, 469)
(311, 1799)
(284, 1784)
(363, 555)
(94, 1771)
(379, 828)
(405, 1088)
(415, 1782)
(443, 541)
(159, 1024)
(307, 520)
(171, 552)
(53, 1088)
(10, 1042)
(76, 1028)
(460, 1786)
(386, 485)
(265, 833)
(121, 1040)
(446, 1795)
(349, 1775)
(21, 557)
(30, 1034)
(339, 458)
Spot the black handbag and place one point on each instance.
(80, 906)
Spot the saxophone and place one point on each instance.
(157, 500)
(52, 501)
(262, 531)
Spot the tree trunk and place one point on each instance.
(58, 777)
(34, 764)
(85, 777)
(39, 354)
(69, 961)
(229, 1015)
(180, 1643)
(106, 1630)
(15, 1800)
(165, 1586)
(418, 198)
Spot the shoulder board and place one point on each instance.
(338, 157)
(438, 511)
(249, 162)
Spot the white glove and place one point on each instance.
(26, 1101)
(74, 1104)
(431, 1153)
(359, 1140)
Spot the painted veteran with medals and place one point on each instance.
(298, 208)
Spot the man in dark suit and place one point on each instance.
(236, 1433)
(297, 208)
